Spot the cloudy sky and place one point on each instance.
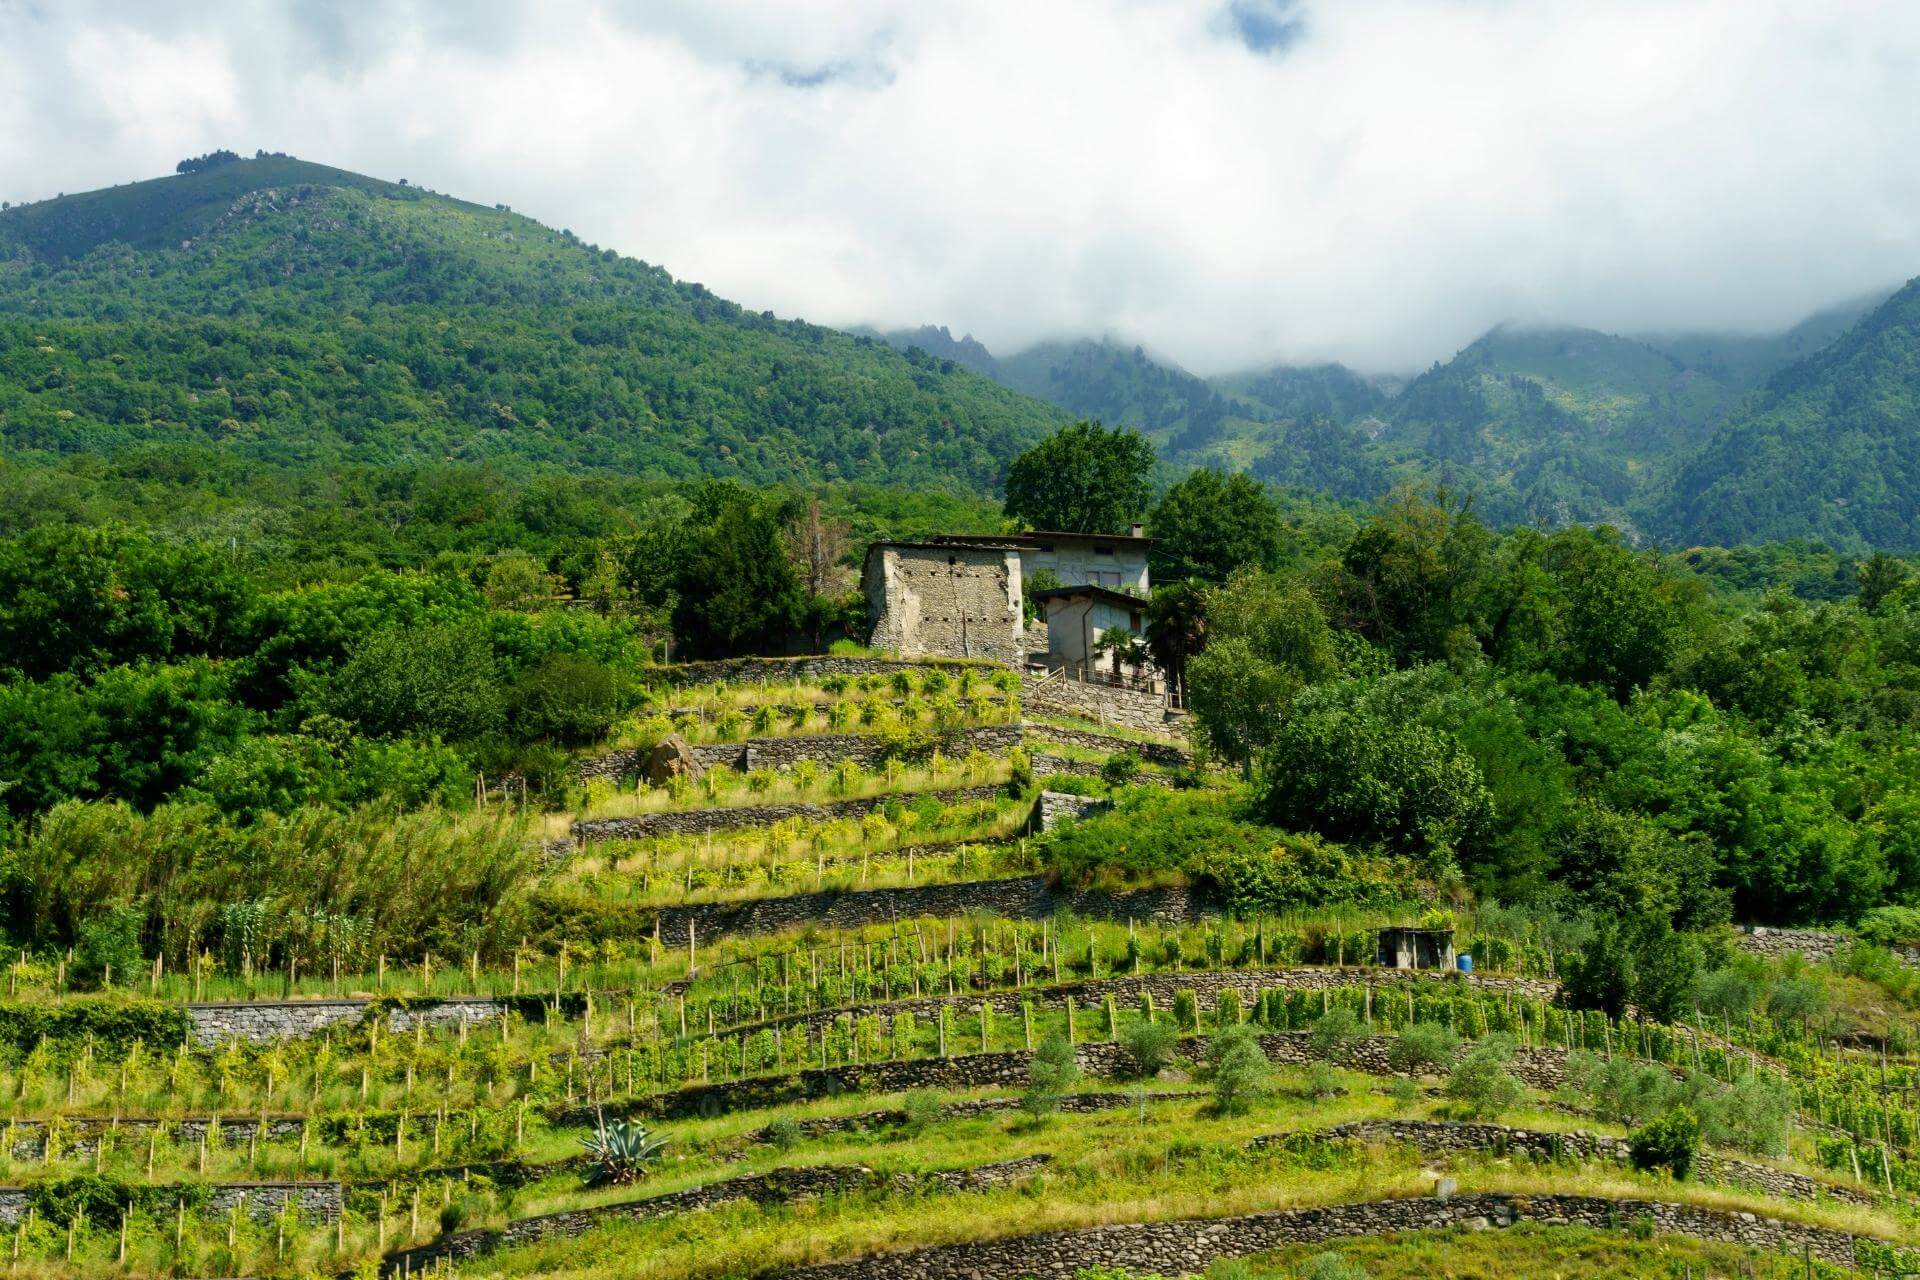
(1230, 182)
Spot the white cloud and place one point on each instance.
(1387, 180)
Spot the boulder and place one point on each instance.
(670, 758)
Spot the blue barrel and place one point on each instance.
(1466, 964)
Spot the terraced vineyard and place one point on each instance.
(881, 1030)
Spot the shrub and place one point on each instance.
(1226, 1009)
(1669, 1143)
(1119, 770)
(1186, 1011)
(1480, 1084)
(1241, 1074)
(1053, 1071)
(1333, 1034)
(1331, 1266)
(1620, 1089)
(621, 1152)
(1151, 1046)
(920, 1108)
(108, 948)
(783, 1132)
(1423, 1047)
(568, 699)
(1889, 926)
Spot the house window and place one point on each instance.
(1046, 548)
(1103, 551)
(1133, 622)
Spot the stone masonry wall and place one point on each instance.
(1164, 754)
(949, 600)
(1009, 1069)
(701, 821)
(776, 1187)
(1104, 704)
(1189, 1246)
(1056, 807)
(686, 675)
(825, 749)
(261, 1022)
(262, 1201)
(1021, 897)
(1579, 1144)
(1090, 995)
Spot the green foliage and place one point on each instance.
(1331, 1266)
(1239, 1069)
(1670, 1142)
(477, 334)
(1480, 1084)
(1643, 962)
(1267, 639)
(1150, 1046)
(1082, 479)
(1209, 525)
(110, 1023)
(568, 698)
(1423, 1048)
(1333, 1034)
(1051, 1073)
(438, 680)
(621, 1152)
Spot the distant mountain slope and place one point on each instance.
(1829, 449)
(294, 312)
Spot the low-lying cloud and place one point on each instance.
(1229, 182)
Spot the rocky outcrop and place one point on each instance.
(1191, 1245)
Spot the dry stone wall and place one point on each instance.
(262, 1022)
(825, 749)
(777, 1187)
(814, 667)
(1164, 754)
(701, 821)
(1578, 1144)
(261, 1201)
(1021, 897)
(1056, 807)
(1190, 1246)
(1103, 704)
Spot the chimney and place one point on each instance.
(1137, 531)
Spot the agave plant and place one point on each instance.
(622, 1152)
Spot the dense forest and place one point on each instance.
(286, 312)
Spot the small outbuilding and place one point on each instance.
(1405, 947)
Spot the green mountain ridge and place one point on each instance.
(292, 312)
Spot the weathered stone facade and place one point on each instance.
(1190, 1246)
(955, 599)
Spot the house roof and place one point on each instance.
(1105, 594)
(1032, 536)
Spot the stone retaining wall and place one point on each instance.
(1103, 704)
(813, 667)
(1020, 897)
(700, 821)
(1191, 1245)
(1819, 946)
(825, 749)
(1070, 1104)
(262, 1022)
(261, 1201)
(1579, 1144)
(1056, 807)
(1164, 754)
(776, 1187)
(1538, 1068)
(79, 1137)
(1089, 994)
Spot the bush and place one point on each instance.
(1423, 1047)
(1119, 770)
(1186, 1011)
(1151, 1046)
(1480, 1084)
(1241, 1073)
(567, 699)
(1333, 1034)
(920, 1108)
(1053, 1071)
(1669, 1143)
(108, 948)
(1226, 1009)
(1891, 926)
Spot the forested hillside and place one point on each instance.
(1827, 450)
(290, 312)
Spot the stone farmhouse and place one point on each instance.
(962, 596)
